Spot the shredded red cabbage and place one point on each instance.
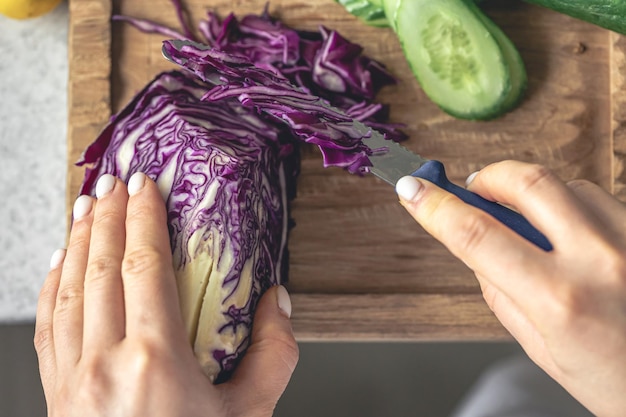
(322, 63)
(309, 119)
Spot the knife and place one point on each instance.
(398, 161)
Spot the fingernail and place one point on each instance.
(136, 183)
(57, 258)
(105, 185)
(408, 187)
(470, 178)
(82, 206)
(284, 302)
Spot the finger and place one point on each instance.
(483, 243)
(605, 206)
(147, 271)
(538, 194)
(68, 313)
(44, 338)
(104, 297)
(272, 357)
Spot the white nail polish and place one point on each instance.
(284, 302)
(82, 206)
(105, 185)
(408, 187)
(57, 258)
(470, 178)
(136, 183)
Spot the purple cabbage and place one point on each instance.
(226, 171)
(227, 177)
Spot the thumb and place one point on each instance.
(469, 233)
(425, 201)
(265, 370)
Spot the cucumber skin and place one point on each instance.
(369, 11)
(514, 61)
(609, 14)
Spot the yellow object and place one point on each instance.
(25, 9)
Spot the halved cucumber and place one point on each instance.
(456, 59)
(463, 61)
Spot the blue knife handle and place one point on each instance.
(434, 172)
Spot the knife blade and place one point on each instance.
(391, 161)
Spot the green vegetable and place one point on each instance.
(391, 8)
(462, 60)
(370, 11)
(609, 14)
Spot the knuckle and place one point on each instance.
(42, 339)
(79, 241)
(94, 380)
(431, 207)
(290, 354)
(579, 184)
(48, 291)
(567, 304)
(146, 359)
(140, 210)
(141, 260)
(534, 175)
(68, 296)
(573, 302)
(105, 218)
(490, 295)
(613, 269)
(285, 348)
(471, 232)
(101, 268)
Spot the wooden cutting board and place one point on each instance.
(361, 269)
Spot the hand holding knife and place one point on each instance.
(399, 161)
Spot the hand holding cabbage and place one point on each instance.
(109, 332)
(226, 170)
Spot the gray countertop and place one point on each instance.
(33, 119)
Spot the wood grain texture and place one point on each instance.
(618, 113)
(394, 317)
(89, 86)
(360, 267)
